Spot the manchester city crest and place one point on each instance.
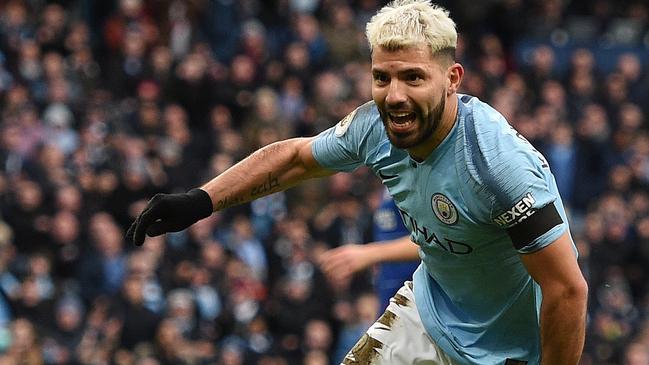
(444, 209)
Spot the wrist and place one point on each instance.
(203, 201)
(374, 253)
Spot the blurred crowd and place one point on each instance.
(106, 103)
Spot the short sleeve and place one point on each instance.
(525, 202)
(344, 146)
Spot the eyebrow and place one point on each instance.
(410, 70)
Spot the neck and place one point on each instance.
(446, 123)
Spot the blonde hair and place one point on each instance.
(407, 23)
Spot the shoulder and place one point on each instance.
(485, 129)
(359, 120)
(346, 145)
(362, 128)
(497, 157)
(489, 143)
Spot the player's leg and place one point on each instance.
(397, 337)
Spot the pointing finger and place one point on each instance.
(131, 231)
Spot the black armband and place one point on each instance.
(534, 226)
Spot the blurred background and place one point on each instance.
(105, 103)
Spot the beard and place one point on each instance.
(426, 125)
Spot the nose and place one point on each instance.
(396, 93)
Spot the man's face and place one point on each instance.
(409, 90)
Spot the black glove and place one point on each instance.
(170, 213)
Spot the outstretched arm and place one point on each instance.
(563, 309)
(342, 262)
(270, 169)
(273, 168)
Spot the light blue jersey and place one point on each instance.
(474, 296)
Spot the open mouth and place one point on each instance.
(401, 122)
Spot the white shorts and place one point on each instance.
(397, 337)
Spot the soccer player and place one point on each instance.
(393, 250)
(499, 281)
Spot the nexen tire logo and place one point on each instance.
(518, 212)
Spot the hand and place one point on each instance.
(339, 264)
(170, 213)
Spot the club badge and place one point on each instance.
(444, 209)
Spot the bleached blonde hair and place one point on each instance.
(407, 23)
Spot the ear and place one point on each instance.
(455, 73)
